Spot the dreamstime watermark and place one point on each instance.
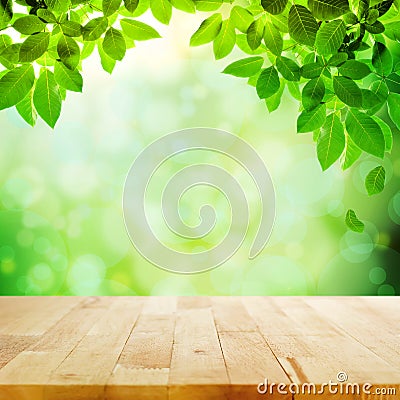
(150, 160)
(340, 386)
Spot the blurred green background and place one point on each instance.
(61, 223)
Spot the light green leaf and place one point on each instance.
(274, 6)
(274, 101)
(302, 25)
(347, 91)
(255, 33)
(387, 133)
(353, 222)
(288, 69)
(241, 18)
(68, 51)
(94, 28)
(273, 39)
(46, 15)
(15, 85)
(114, 44)
(328, 9)
(162, 10)
(330, 37)
(268, 83)
(137, 30)
(331, 141)
(47, 98)
(313, 93)
(107, 62)
(208, 5)
(184, 5)
(58, 5)
(208, 31)
(225, 40)
(394, 108)
(365, 132)
(309, 121)
(110, 7)
(29, 25)
(245, 68)
(354, 69)
(351, 154)
(34, 47)
(27, 110)
(71, 28)
(70, 80)
(294, 90)
(375, 180)
(382, 59)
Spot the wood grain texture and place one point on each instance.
(195, 348)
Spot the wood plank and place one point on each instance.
(12, 345)
(197, 368)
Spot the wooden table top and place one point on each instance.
(195, 348)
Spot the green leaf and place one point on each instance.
(94, 28)
(255, 33)
(288, 69)
(34, 47)
(137, 30)
(225, 40)
(274, 101)
(131, 5)
(71, 28)
(107, 62)
(311, 70)
(330, 37)
(6, 12)
(114, 44)
(369, 99)
(347, 91)
(208, 31)
(47, 98)
(382, 59)
(302, 25)
(351, 154)
(70, 80)
(26, 109)
(353, 222)
(268, 83)
(58, 5)
(162, 10)
(309, 121)
(376, 28)
(331, 141)
(15, 85)
(241, 18)
(387, 133)
(184, 5)
(328, 9)
(294, 90)
(274, 6)
(29, 25)
(110, 7)
(375, 180)
(338, 59)
(383, 7)
(313, 93)
(245, 68)
(394, 108)
(273, 39)
(208, 5)
(360, 7)
(354, 69)
(393, 82)
(47, 16)
(68, 51)
(365, 132)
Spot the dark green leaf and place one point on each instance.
(288, 68)
(47, 98)
(331, 141)
(15, 85)
(354, 69)
(68, 51)
(6, 12)
(309, 121)
(382, 59)
(387, 133)
(274, 6)
(375, 180)
(110, 7)
(330, 37)
(255, 33)
(71, 28)
(313, 93)
(245, 68)
(338, 59)
(131, 5)
(268, 83)
(302, 25)
(365, 132)
(347, 91)
(208, 31)
(353, 222)
(34, 47)
(137, 30)
(94, 29)
(114, 44)
(383, 7)
(393, 82)
(29, 24)
(328, 9)
(311, 70)
(70, 80)
(394, 108)
(375, 28)
(369, 99)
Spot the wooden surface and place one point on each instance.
(194, 348)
